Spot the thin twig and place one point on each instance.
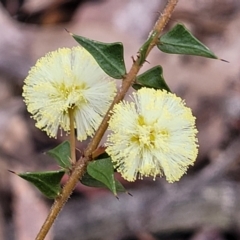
(81, 165)
(72, 137)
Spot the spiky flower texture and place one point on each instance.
(153, 135)
(68, 79)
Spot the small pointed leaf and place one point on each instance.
(47, 182)
(153, 78)
(119, 186)
(103, 171)
(61, 154)
(89, 181)
(180, 41)
(109, 56)
(143, 50)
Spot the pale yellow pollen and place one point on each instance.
(164, 133)
(141, 120)
(145, 134)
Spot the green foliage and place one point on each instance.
(143, 50)
(101, 173)
(61, 154)
(89, 181)
(153, 78)
(109, 56)
(180, 41)
(47, 182)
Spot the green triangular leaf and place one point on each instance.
(47, 182)
(120, 187)
(103, 171)
(61, 154)
(180, 41)
(153, 78)
(89, 181)
(143, 50)
(109, 56)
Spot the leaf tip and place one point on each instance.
(223, 60)
(68, 31)
(12, 172)
(129, 194)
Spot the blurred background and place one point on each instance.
(205, 204)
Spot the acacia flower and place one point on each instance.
(153, 135)
(68, 79)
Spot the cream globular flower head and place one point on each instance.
(153, 135)
(68, 79)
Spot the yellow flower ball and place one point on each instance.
(68, 79)
(153, 135)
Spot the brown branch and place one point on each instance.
(81, 165)
(72, 137)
